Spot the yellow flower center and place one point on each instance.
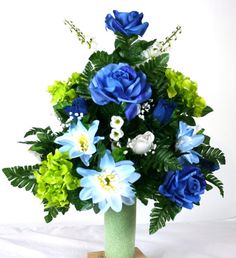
(83, 142)
(107, 181)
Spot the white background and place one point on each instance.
(36, 48)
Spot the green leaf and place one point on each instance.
(53, 211)
(36, 130)
(22, 177)
(216, 182)
(100, 59)
(162, 213)
(118, 154)
(212, 154)
(166, 160)
(206, 111)
(155, 68)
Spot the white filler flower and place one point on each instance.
(142, 143)
(116, 122)
(116, 134)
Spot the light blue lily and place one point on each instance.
(187, 139)
(79, 141)
(110, 187)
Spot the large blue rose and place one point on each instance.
(126, 23)
(120, 83)
(184, 187)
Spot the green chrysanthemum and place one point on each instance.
(182, 86)
(54, 179)
(62, 91)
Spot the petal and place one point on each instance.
(197, 140)
(85, 159)
(74, 153)
(128, 201)
(86, 172)
(107, 161)
(134, 177)
(124, 171)
(124, 162)
(131, 111)
(97, 139)
(85, 194)
(93, 129)
(116, 202)
(103, 206)
(87, 181)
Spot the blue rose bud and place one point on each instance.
(184, 187)
(163, 111)
(209, 165)
(120, 83)
(127, 23)
(79, 106)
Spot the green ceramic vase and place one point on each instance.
(120, 229)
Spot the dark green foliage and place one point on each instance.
(212, 154)
(155, 68)
(216, 182)
(22, 177)
(44, 143)
(53, 212)
(129, 49)
(206, 111)
(166, 160)
(73, 197)
(100, 59)
(163, 211)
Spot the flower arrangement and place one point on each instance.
(128, 131)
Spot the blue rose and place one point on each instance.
(120, 83)
(79, 106)
(163, 111)
(127, 24)
(184, 187)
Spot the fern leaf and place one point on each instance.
(165, 159)
(210, 153)
(161, 214)
(216, 182)
(22, 177)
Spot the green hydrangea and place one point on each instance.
(186, 89)
(54, 179)
(62, 91)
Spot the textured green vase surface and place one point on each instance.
(120, 232)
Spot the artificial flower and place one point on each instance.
(116, 122)
(209, 165)
(54, 179)
(110, 187)
(163, 111)
(61, 92)
(79, 141)
(126, 23)
(116, 134)
(186, 89)
(120, 83)
(142, 143)
(184, 187)
(186, 141)
(78, 109)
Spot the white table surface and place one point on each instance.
(215, 239)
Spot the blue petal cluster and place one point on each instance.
(186, 141)
(164, 110)
(126, 23)
(120, 83)
(184, 187)
(79, 141)
(110, 187)
(79, 106)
